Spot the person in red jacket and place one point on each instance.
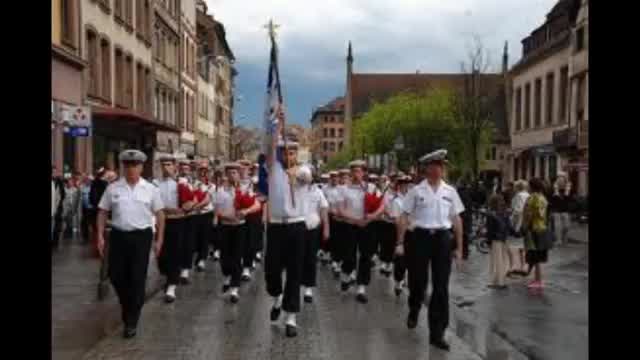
(203, 215)
(186, 201)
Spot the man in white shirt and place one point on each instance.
(132, 202)
(203, 215)
(285, 229)
(249, 247)
(435, 208)
(316, 215)
(400, 261)
(338, 227)
(169, 260)
(231, 221)
(356, 239)
(186, 188)
(387, 229)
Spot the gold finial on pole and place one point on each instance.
(272, 27)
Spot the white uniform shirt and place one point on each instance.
(168, 188)
(353, 198)
(387, 202)
(279, 201)
(331, 193)
(314, 202)
(246, 185)
(225, 203)
(432, 210)
(132, 208)
(517, 207)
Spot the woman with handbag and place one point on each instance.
(537, 233)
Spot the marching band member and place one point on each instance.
(356, 240)
(316, 215)
(435, 207)
(248, 247)
(169, 261)
(387, 228)
(331, 193)
(186, 201)
(231, 209)
(203, 215)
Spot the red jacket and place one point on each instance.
(243, 200)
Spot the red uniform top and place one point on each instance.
(185, 191)
(243, 200)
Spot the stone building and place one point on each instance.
(364, 89)
(543, 133)
(188, 77)
(166, 90)
(117, 39)
(327, 131)
(67, 85)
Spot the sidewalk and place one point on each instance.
(79, 319)
(578, 233)
(517, 323)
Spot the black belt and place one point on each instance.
(433, 231)
(137, 231)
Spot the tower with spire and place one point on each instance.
(347, 97)
(505, 58)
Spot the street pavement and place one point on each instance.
(202, 324)
(79, 319)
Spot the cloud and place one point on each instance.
(387, 36)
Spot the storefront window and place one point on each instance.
(553, 166)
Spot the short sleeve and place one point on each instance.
(396, 207)
(105, 201)
(323, 200)
(457, 207)
(156, 200)
(409, 201)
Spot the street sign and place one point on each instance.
(75, 116)
(79, 131)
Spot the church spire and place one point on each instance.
(350, 53)
(505, 58)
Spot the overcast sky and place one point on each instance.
(387, 36)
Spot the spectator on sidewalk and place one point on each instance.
(559, 208)
(516, 245)
(497, 232)
(87, 212)
(57, 217)
(97, 188)
(537, 235)
(70, 206)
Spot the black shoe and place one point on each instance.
(336, 274)
(324, 262)
(185, 281)
(234, 299)
(275, 313)
(129, 332)
(344, 286)
(225, 288)
(169, 299)
(398, 291)
(291, 331)
(502, 287)
(362, 298)
(412, 319)
(308, 299)
(440, 344)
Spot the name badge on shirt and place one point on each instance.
(447, 199)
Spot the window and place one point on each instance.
(128, 12)
(518, 109)
(68, 22)
(333, 131)
(128, 78)
(148, 90)
(119, 80)
(92, 58)
(543, 167)
(532, 168)
(340, 146)
(549, 95)
(325, 146)
(147, 20)
(494, 151)
(527, 106)
(523, 168)
(141, 21)
(580, 98)
(515, 168)
(325, 132)
(140, 91)
(156, 48)
(105, 53)
(156, 104)
(487, 154)
(553, 166)
(537, 102)
(332, 146)
(117, 7)
(564, 88)
(326, 119)
(580, 39)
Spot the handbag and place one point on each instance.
(543, 240)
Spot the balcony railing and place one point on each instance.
(565, 138)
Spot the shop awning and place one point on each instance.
(131, 117)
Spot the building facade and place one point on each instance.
(188, 78)
(166, 72)
(67, 86)
(543, 133)
(327, 131)
(117, 38)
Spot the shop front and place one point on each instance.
(118, 129)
